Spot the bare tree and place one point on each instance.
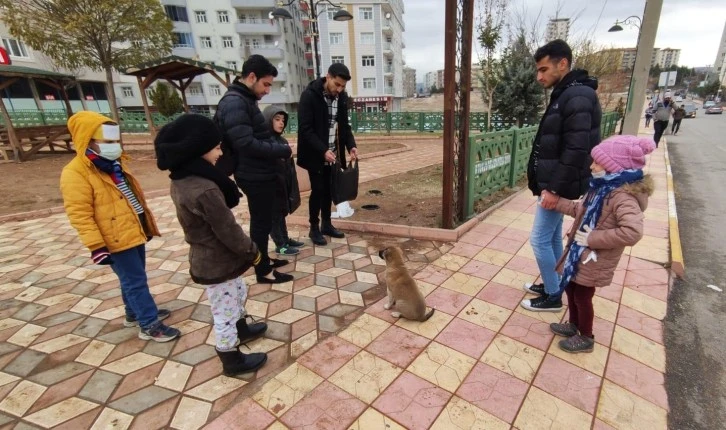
(493, 14)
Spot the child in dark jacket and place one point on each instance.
(288, 191)
(607, 219)
(220, 251)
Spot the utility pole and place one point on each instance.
(646, 42)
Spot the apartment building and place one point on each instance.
(409, 82)
(558, 28)
(719, 64)
(371, 45)
(664, 58)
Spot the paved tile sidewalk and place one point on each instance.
(481, 361)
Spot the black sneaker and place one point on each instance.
(564, 329)
(285, 250)
(577, 343)
(542, 304)
(295, 243)
(160, 333)
(534, 288)
(162, 314)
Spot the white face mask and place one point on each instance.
(110, 151)
(600, 174)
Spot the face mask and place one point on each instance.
(110, 151)
(600, 174)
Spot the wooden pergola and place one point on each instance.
(179, 72)
(39, 136)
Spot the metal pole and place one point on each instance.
(316, 63)
(646, 42)
(447, 213)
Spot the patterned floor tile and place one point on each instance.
(513, 278)
(480, 269)
(570, 383)
(460, 414)
(433, 274)
(61, 412)
(412, 401)
(465, 337)
(191, 414)
(643, 303)
(639, 348)
(60, 343)
(429, 328)
(372, 419)
(493, 257)
(593, 362)
(398, 346)
(110, 418)
(286, 389)
(216, 388)
(173, 376)
(365, 376)
(528, 330)
(451, 262)
(493, 391)
(544, 411)
(501, 295)
(637, 378)
(364, 330)
(641, 324)
(485, 314)
(442, 366)
(622, 409)
(21, 398)
(464, 284)
(131, 363)
(328, 356)
(327, 406)
(513, 357)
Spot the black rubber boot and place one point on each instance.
(247, 332)
(327, 228)
(316, 236)
(234, 362)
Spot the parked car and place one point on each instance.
(690, 110)
(708, 104)
(714, 109)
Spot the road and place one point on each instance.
(696, 320)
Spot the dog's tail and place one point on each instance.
(428, 315)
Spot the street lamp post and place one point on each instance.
(643, 53)
(617, 27)
(340, 15)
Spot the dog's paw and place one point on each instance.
(396, 314)
(387, 306)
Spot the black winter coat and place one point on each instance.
(570, 128)
(245, 131)
(314, 126)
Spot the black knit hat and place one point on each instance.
(188, 137)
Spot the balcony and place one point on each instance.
(253, 26)
(388, 89)
(281, 76)
(387, 28)
(269, 51)
(388, 69)
(388, 49)
(253, 4)
(186, 51)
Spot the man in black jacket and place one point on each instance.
(559, 164)
(322, 128)
(254, 154)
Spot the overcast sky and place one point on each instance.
(693, 26)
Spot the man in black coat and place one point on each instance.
(254, 155)
(559, 164)
(322, 128)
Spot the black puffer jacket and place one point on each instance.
(570, 128)
(245, 130)
(313, 127)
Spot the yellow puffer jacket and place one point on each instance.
(93, 203)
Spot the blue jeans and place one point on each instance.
(546, 241)
(130, 267)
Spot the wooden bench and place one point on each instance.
(33, 139)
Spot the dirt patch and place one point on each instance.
(34, 184)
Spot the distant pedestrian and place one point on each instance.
(288, 190)
(648, 115)
(105, 204)
(220, 251)
(608, 219)
(559, 162)
(663, 111)
(678, 116)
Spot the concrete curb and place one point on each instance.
(677, 264)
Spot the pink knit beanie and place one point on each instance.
(622, 152)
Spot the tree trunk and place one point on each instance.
(489, 111)
(111, 92)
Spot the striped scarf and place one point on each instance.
(594, 202)
(114, 170)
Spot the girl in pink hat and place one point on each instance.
(607, 219)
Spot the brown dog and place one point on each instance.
(402, 289)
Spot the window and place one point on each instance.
(200, 15)
(195, 89)
(15, 48)
(127, 92)
(369, 61)
(206, 41)
(369, 83)
(176, 13)
(366, 13)
(336, 38)
(183, 40)
(337, 59)
(367, 39)
(227, 42)
(215, 90)
(222, 16)
(331, 12)
(232, 65)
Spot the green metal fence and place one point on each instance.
(499, 159)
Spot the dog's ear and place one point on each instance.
(382, 253)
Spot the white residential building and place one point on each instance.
(719, 64)
(558, 28)
(667, 57)
(371, 45)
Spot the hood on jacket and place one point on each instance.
(270, 112)
(574, 78)
(641, 190)
(82, 125)
(316, 86)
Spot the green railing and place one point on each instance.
(131, 122)
(499, 159)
